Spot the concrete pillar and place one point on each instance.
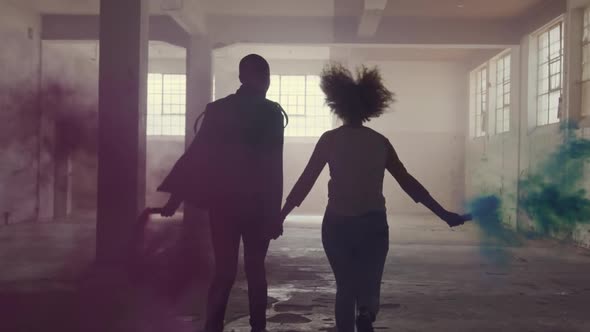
(122, 125)
(199, 81)
(199, 85)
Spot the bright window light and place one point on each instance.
(481, 101)
(166, 105)
(503, 94)
(303, 100)
(549, 74)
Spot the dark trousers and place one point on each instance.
(227, 228)
(356, 248)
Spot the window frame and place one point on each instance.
(305, 114)
(503, 90)
(550, 74)
(480, 106)
(169, 99)
(586, 45)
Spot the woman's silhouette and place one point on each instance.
(355, 233)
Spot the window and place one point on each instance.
(585, 100)
(166, 105)
(549, 74)
(586, 47)
(503, 94)
(481, 101)
(303, 100)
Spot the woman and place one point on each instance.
(355, 233)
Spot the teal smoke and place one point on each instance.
(551, 195)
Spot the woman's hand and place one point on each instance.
(453, 219)
(275, 230)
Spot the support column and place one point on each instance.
(121, 125)
(199, 85)
(199, 81)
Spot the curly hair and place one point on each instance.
(355, 99)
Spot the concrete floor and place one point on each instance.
(436, 279)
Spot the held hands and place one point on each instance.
(275, 229)
(453, 219)
(171, 206)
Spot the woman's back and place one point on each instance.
(357, 158)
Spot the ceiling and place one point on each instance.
(413, 8)
(277, 52)
(362, 52)
(310, 8)
(425, 53)
(157, 49)
(460, 8)
(162, 50)
(78, 7)
(293, 8)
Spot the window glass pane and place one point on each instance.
(502, 92)
(550, 72)
(544, 104)
(555, 82)
(303, 100)
(507, 67)
(166, 104)
(543, 40)
(586, 46)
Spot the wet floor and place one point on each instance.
(435, 279)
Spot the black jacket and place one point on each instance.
(236, 156)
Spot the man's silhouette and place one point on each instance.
(234, 169)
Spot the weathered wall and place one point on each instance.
(495, 163)
(19, 109)
(426, 125)
(492, 161)
(576, 105)
(74, 124)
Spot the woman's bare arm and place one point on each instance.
(417, 191)
(306, 181)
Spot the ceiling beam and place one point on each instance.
(226, 30)
(189, 14)
(371, 17)
(86, 27)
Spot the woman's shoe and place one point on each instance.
(364, 321)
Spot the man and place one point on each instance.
(234, 168)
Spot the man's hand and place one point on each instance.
(171, 206)
(453, 219)
(274, 230)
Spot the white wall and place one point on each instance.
(427, 128)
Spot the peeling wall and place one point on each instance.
(19, 109)
(75, 125)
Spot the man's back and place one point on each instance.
(244, 136)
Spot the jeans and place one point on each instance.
(228, 226)
(356, 247)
